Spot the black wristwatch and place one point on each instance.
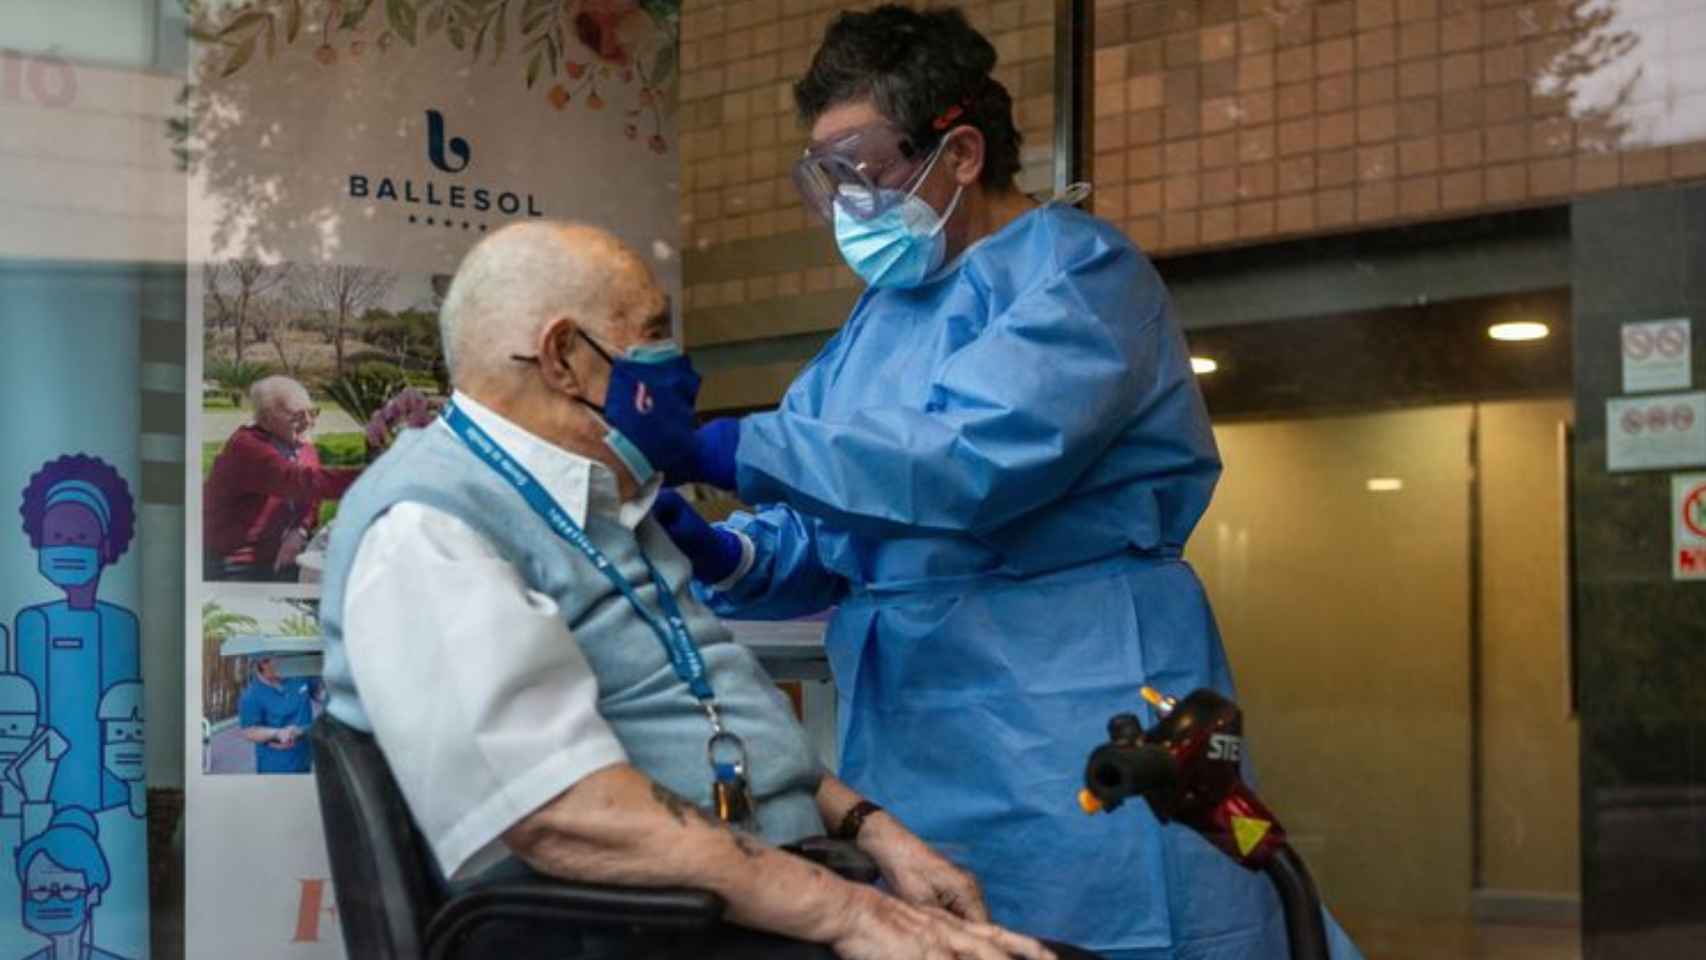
(855, 819)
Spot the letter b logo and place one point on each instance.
(436, 145)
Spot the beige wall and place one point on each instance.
(1530, 826)
(86, 168)
(1346, 614)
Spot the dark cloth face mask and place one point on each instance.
(648, 406)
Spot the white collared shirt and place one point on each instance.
(494, 730)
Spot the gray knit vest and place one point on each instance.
(655, 717)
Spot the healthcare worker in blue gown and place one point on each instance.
(991, 472)
(80, 518)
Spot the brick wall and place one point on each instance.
(1222, 122)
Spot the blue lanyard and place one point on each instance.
(671, 631)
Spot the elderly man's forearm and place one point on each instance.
(617, 826)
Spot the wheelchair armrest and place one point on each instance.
(839, 856)
(546, 901)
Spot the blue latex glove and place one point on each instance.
(714, 552)
(714, 446)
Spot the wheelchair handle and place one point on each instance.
(1187, 768)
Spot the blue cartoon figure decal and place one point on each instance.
(80, 519)
(29, 753)
(19, 709)
(62, 875)
(121, 740)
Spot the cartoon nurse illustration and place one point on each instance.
(19, 708)
(29, 752)
(80, 519)
(121, 741)
(63, 875)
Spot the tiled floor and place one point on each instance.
(1526, 943)
(1452, 942)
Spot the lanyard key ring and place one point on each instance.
(731, 793)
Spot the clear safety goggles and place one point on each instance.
(864, 172)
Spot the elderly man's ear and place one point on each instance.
(556, 346)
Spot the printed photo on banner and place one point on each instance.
(260, 682)
(72, 777)
(309, 372)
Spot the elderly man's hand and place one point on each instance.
(917, 873)
(294, 543)
(877, 926)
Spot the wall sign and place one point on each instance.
(1688, 526)
(1655, 432)
(1656, 356)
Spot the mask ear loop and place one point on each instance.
(944, 126)
(594, 345)
(583, 401)
(1074, 194)
(942, 222)
(924, 175)
(533, 358)
(959, 188)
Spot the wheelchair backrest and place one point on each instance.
(387, 884)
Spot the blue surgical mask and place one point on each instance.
(903, 245)
(53, 916)
(69, 565)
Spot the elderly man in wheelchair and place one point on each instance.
(538, 742)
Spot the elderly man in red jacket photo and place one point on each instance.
(261, 502)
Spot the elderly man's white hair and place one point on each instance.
(268, 392)
(515, 282)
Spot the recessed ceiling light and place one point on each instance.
(1511, 332)
(1202, 365)
(1385, 484)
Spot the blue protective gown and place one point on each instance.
(992, 476)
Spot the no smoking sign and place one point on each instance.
(1656, 355)
(1688, 521)
(1657, 418)
(1655, 432)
